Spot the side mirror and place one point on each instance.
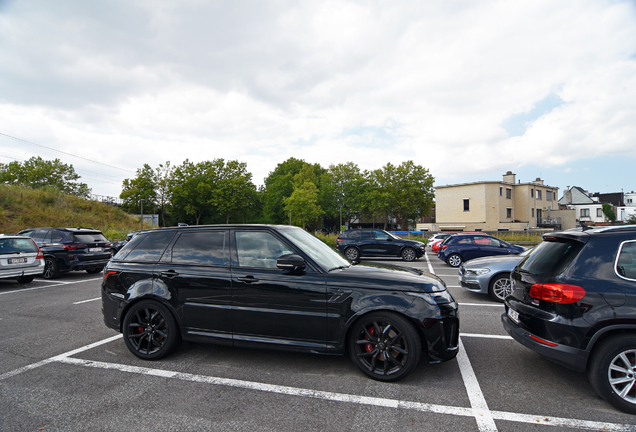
(290, 262)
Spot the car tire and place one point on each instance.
(150, 331)
(454, 260)
(25, 279)
(352, 253)
(95, 270)
(500, 288)
(409, 254)
(51, 269)
(612, 371)
(392, 355)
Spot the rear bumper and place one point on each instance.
(564, 355)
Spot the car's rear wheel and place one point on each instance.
(25, 279)
(385, 346)
(500, 288)
(150, 331)
(454, 260)
(409, 254)
(51, 269)
(612, 371)
(352, 253)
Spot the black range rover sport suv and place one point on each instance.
(277, 287)
(574, 301)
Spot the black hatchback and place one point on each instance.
(70, 249)
(573, 301)
(356, 243)
(275, 287)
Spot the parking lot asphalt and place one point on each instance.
(62, 369)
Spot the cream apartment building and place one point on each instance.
(506, 205)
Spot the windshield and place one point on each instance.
(316, 249)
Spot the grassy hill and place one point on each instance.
(22, 207)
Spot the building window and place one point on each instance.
(538, 194)
(509, 213)
(532, 212)
(466, 205)
(585, 212)
(548, 196)
(508, 193)
(629, 200)
(599, 212)
(500, 191)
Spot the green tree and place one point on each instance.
(342, 188)
(192, 187)
(303, 204)
(163, 176)
(234, 192)
(279, 185)
(141, 188)
(37, 172)
(608, 211)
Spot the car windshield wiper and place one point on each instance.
(340, 267)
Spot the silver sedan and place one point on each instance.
(490, 275)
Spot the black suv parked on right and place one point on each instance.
(574, 301)
(68, 249)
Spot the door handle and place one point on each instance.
(170, 274)
(248, 279)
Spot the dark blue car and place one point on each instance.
(463, 247)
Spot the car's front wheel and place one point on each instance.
(612, 371)
(385, 346)
(352, 253)
(454, 260)
(51, 269)
(150, 331)
(409, 254)
(500, 288)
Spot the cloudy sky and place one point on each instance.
(467, 89)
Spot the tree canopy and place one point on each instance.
(37, 172)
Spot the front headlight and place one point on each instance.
(477, 272)
(434, 298)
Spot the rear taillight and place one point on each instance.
(339, 240)
(557, 293)
(74, 246)
(443, 247)
(40, 254)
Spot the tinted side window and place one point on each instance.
(379, 235)
(550, 258)
(259, 249)
(56, 236)
(39, 235)
(626, 261)
(366, 235)
(354, 235)
(465, 240)
(147, 248)
(201, 248)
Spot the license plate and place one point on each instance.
(97, 249)
(513, 315)
(17, 260)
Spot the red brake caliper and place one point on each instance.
(369, 347)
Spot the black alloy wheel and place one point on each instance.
(352, 253)
(150, 331)
(409, 254)
(612, 371)
(454, 260)
(51, 269)
(500, 288)
(385, 346)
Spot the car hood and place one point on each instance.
(492, 260)
(384, 277)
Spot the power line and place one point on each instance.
(69, 154)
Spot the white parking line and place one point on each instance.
(483, 416)
(484, 424)
(430, 266)
(500, 305)
(56, 283)
(86, 301)
(484, 336)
